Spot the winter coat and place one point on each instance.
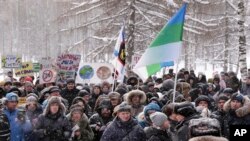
(154, 134)
(5, 127)
(33, 115)
(240, 116)
(208, 138)
(53, 127)
(222, 118)
(19, 130)
(136, 109)
(245, 90)
(69, 94)
(182, 128)
(86, 132)
(124, 131)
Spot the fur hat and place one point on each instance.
(158, 118)
(204, 126)
(53, 89)
(202, 98)
(133, 93)
(185, 109)
(76, 108)
(82, 93)
(55, 99)
(114, 95)
(124, 106)
(28, 83)
(70, 80)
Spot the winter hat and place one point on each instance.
(204, 126)
(28, 79)
(114, 95)
(167, 85)
(132, 81)
(52, 100)
(78, 99)
(70, 80)
(15, 90)
(238, 97)
(82, 93)
(185, 109)
(151, 106)
(7, 83)
(158, 118)
(223, 97)
(86, 87)
(76, 108)
(11, 97)
(31, 99)
(53, 89)
(228, 91)
(28, 83)
(121, 90)
(122, 108)
(202, 98)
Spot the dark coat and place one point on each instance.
(86, 132)
(240, 116)
(69, 94)
(124, 131)
(154, 134)
(182, 128)
(54, 127)
(33, 115)
(5, 127)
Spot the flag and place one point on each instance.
(164, 49)
(120, 56)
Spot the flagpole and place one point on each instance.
(175, 80)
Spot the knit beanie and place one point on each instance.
(158, 118)
(238, 97)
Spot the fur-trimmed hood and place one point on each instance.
(242, 111)
(55, 99)
(208, 138)
(133, 93)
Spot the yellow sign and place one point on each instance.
(25, 70)
(21, 101)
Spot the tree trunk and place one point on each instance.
(131, 37)
(242, 40)
(226, 53)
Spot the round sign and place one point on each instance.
(47, 75)
(86, 72)
(103, 73)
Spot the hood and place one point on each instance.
(242, 111)
(151, 106)
(133, 93)
(208, 138)
(55, 99)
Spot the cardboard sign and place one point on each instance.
(11, 61)
(25, 70)
(67, 64)
(94, 73)
(47, 76)
(21, 101)
(46, 63)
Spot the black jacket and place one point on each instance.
(154, 134)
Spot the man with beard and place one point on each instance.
(70, 92)
(99, 121)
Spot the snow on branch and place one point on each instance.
(232, 5)
(104, 39)
(140, 12)
(91, 8)
(193, 31)
(150, 3)
(201, 22)
(202, 1)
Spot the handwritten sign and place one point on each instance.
(25, 70)
(68, 62)
(11, 61)
(21, 101)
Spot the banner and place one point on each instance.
(25, 70)
(94, 73)
(68, 64)
(47, 76)
(11, 61)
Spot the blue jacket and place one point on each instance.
(19, 131)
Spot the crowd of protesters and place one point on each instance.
(203, 109)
